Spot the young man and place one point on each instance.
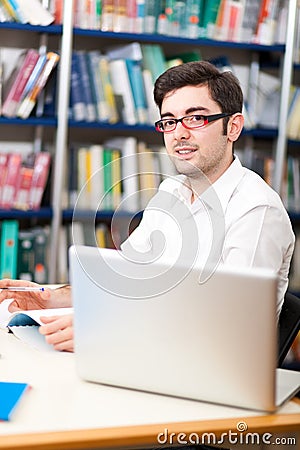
(235, 217)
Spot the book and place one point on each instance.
(11, 394)
(129, 171)
(147, 174)
(29, 101)
(39, 179)
(77, 103)
(120, 16)
(83, 201)
(17, 82)
(138, 89)
(107, 203)
(107, 16)
(85, 83)
(9, 248)
(3, 169)
(18, 13)
(40, 249)
(210, 15)
(35, 12)
(151, 14)
(249, 21)
(10, 181)
(102, 109)
(122, 90)
(23, 186)
(25, 260)
(33, 76)
(109, 95)
(97, 184)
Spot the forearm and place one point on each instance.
(61, 297)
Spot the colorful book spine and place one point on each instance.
(77, 106)
(29, 101)
(93, 59)
(107, 17)
(151, 14)
(39, 179)
(25, 260)
(209, 17)
(138, 89)
(86, 87)
(120, 16)
(122, 90)
(40, 271)
(17, 11)
(105, 75)
(11, 180)
(107, 172)
(24, 181)
(18, 82)
(9, 249)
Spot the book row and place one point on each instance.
(24, 253)
(23, 181)
(118, 85)
(25, 11)
(262, 163)
(258, 21)
(122, 174)
(24, 85)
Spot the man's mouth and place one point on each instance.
(185, 152)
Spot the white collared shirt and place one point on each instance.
(238, 221)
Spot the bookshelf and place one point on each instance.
(62, 127)
(34, 224)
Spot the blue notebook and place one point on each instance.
(10, 395)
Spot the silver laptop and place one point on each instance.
(160, 328)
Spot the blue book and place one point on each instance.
(10, 395)
(77, 103)
(86, 87)
(138, 89)
(34, 76)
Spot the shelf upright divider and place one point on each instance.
(281, 144)
(61, 135)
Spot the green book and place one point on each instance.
(107, 172)
(25, 263)
(9, 249)
(41, 237)
(210, 15)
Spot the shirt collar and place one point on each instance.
(220, 191)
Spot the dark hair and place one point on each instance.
(223, 87)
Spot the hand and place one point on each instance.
(58, 331)
(49, 298)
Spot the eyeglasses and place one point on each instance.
(189, 122)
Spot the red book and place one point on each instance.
(17, 82)
(39, 179)
(3, 169)
(23, 187)
(11, 180)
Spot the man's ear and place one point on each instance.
(235, 126)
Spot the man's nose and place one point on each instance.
(181, 132)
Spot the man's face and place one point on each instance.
(203, 148)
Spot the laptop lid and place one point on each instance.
(155, 327)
